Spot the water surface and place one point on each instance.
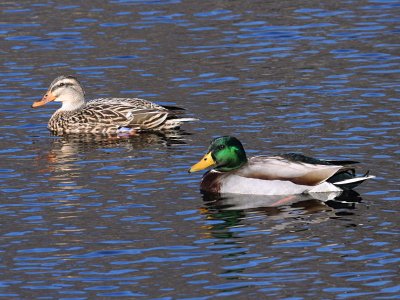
(92, 218)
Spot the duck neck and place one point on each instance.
(71, 102)
(232, 163)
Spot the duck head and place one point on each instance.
(225, 154)
(65, 89)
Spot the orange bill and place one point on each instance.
(46, 98)
(205, 162)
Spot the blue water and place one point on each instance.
(88, 218)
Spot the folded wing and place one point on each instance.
(284, 169)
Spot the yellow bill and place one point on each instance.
(205, 162)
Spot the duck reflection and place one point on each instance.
(282, 211)
(88, 142)
(61, 160)
(64, 149)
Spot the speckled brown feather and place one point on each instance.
(107, 115)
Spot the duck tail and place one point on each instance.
(186, 119)
(173, 108)
(176, 123)
(351, 183)
(342, 162)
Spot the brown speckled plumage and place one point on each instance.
(105, 115)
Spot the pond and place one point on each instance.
(94, 218)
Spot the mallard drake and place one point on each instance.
(283, 174)
(105, 115)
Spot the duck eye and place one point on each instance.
(61, 84)
(220, 147)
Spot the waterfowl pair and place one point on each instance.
(105, 115)
(233, 172)
(282, 174)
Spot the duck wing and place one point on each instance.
(134, 113)
(301, 170)
(296, 157)
(133, 103)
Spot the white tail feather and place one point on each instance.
(352, 180)
(175, 123)
(185, 119)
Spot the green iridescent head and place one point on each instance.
(226, 153)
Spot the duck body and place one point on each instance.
(284, 174)
(105, 115)
(113, 116)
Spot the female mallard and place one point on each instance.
(271, 175)
(105, 115)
